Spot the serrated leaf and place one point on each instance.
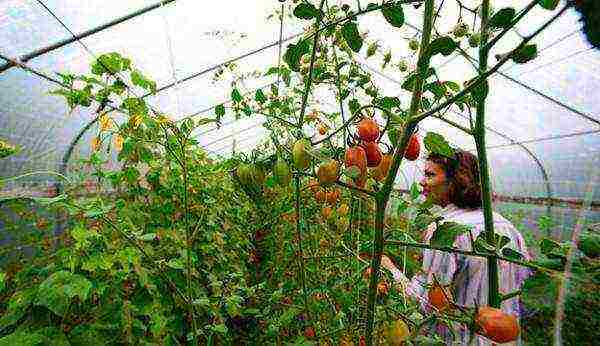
(445, 234)
(437, 144)
(502, 18)
(306, 10)
(260, 96)
(553, 249)
(442, 45)
(352, 36)
(294, 53)
(236, 96)
(393, 14)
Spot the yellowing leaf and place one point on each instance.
(95, 144)
(105, 122)
(118, 142)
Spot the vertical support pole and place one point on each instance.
(383, 195)
(486, 193)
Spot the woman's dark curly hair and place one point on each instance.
(462, 172)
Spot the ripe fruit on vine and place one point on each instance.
(437, 297)
(362, 341)
(301, 155)
(413, 44)
(328, 172)
(413, 149)
(309, 332)
(333, 196)
(356, 157)
(282, 173)
(373, 153)
(382, 288)
(368, 130)
(313, 185)
(320, 196)
(397, 333)
(381, 171)
(496, 325)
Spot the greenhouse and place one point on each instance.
(300, 172)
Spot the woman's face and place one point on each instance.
(435, 184)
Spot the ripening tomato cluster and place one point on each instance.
(367, 153)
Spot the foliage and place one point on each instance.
(185, 249)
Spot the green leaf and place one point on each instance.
(352, 172)
(147, 237)
(414, 191)
(352, 36)
(23, 337)
(354, 105)
(525, 54)
(18, 305)
(57, 291)
(452, 85)
(236, 96)
(437, 144)
(589, 244)
(442, 45)
(409, 82)
(135, 106)
(393, 14)
(2, 281)
(548, 4)
(46, 201)
(294, 53)
(220, 111)
(553, 249)
(306, 10)
(260, 96)
(438, 89)
(445, 234)
(480, 92)
(137, 78)
(388, 102)
(111, 63)
(502, 18)
(512, 254)
(204, 121)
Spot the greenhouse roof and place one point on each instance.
(543, 117)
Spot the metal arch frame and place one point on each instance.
(76, 38)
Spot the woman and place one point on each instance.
(453, 184)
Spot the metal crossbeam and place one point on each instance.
(41, 51)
